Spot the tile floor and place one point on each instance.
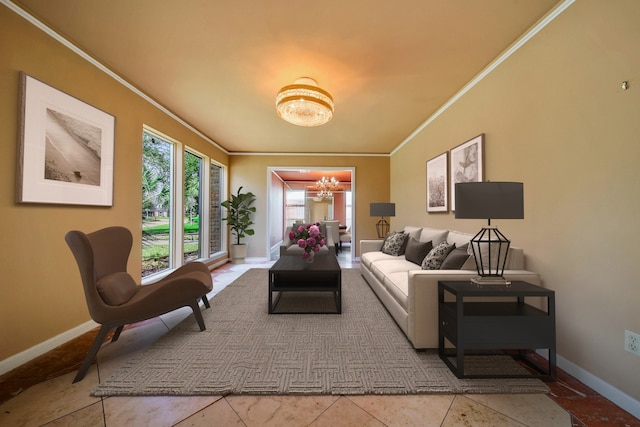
(42, 394)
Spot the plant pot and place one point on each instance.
(238, 253)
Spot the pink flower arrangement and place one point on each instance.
(308, 237)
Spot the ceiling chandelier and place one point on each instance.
(304, 103)
(326, 187)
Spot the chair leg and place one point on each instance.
(205, 301)
(93, 351)
(198, 315)
(117, 333)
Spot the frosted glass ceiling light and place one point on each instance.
(304, 103)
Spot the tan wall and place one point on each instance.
(555, 117)
(41, 294)
(371, 179)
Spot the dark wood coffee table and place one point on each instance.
(294, 274)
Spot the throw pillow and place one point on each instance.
(393, 243)
(117, 288)
(416, 250)
(456, 258)
(436, 256)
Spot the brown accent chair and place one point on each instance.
(114, 299)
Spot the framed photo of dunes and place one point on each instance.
(65, 148)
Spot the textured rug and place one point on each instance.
(247, 351)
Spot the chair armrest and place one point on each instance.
(329, 237)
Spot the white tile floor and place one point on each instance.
(59, 402)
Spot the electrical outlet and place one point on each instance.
(632, 342)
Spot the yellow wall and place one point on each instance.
(40, 291)
(555, 117)
(40, 287)
(371, 180)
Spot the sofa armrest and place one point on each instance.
(423, 300)
(370, 246)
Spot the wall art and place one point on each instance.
(467, 160)
(65, 148)
(437, 185)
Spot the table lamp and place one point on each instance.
(490, 200)
(382, 210)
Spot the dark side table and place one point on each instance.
(501, 320)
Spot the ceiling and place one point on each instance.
(218, 65)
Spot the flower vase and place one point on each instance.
(311, 257)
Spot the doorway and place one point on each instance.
(303, 201)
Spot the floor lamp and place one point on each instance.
(490, 200)
(382, 210)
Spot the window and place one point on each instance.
(294, 206)
(157, 161)
(181, 212)
(192, 207)
(215, 210)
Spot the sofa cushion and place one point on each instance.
(436, 257)
(117, 288)
(456, 258)
(416, 251)
(382, 268)
(458, 238)
(413, 231)
(369, 258)
(394, 243)
(434, 235)
(469, 264)
(397, 284)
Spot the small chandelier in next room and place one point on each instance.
(304, 103)
(326, 187)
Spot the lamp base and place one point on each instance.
(382, 228)
(491, 280)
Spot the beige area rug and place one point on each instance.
(247, 351)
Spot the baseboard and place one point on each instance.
(620, 398)
(19, 359)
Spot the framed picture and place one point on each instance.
(467, 162)
(437, 200)
(65, 148)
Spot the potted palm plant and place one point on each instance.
(238, 217)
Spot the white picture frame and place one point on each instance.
(437, 184)
(467, 164)
(65, 148)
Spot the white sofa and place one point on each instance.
(410, 294)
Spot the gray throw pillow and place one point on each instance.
(416, 250)
(456, 258)
(436, 257)
(394, 243)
